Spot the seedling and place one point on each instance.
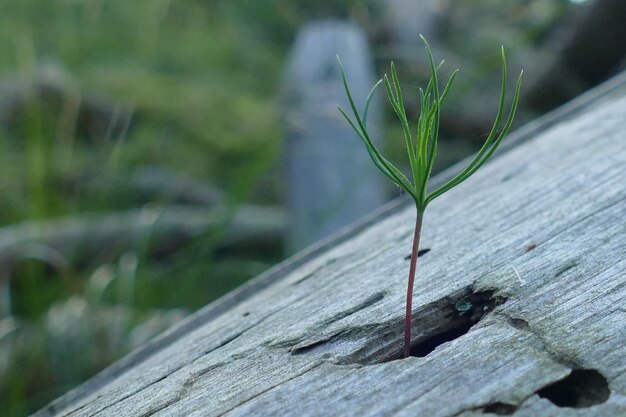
(421, 147)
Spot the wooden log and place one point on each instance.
(88, 116)
(159, 183)
(147, 184)
(331, 181)
(518, 310)
(98, 238)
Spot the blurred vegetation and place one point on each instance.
(201, 80)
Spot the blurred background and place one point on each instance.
(155, 154)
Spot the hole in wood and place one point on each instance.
(419, 253)
(424, 348)
(580, 389)
(519, 324)
(531, 246)
(459, 318)
(467, 312)
(434, 324)
(499, 409)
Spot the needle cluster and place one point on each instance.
(421, 144)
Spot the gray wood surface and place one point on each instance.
(527, 257)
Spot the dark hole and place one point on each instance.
(500, 409)
(442, 321)
(247, 313)
(424, 348)
(467, 312)
(419, 253)
(582, 388)
(520, 324)
(531, 246)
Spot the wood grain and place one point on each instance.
(530, 252)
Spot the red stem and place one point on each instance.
(409, 290)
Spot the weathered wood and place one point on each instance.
(94, 237)
(528, 257)
(85, 115)
(159, 183)
(330, 179)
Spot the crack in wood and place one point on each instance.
(420, 253)
(185, 389)
(370, 301)
(316, 270)
(160, 407)
(265, 391)
(225, 342)
(566, 267)
(541, 343)
(127, 396)
(496, 407)
(435, 323)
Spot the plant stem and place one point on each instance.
(409, 290)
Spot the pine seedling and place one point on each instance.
(421, 146)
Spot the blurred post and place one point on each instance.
(330, 180)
